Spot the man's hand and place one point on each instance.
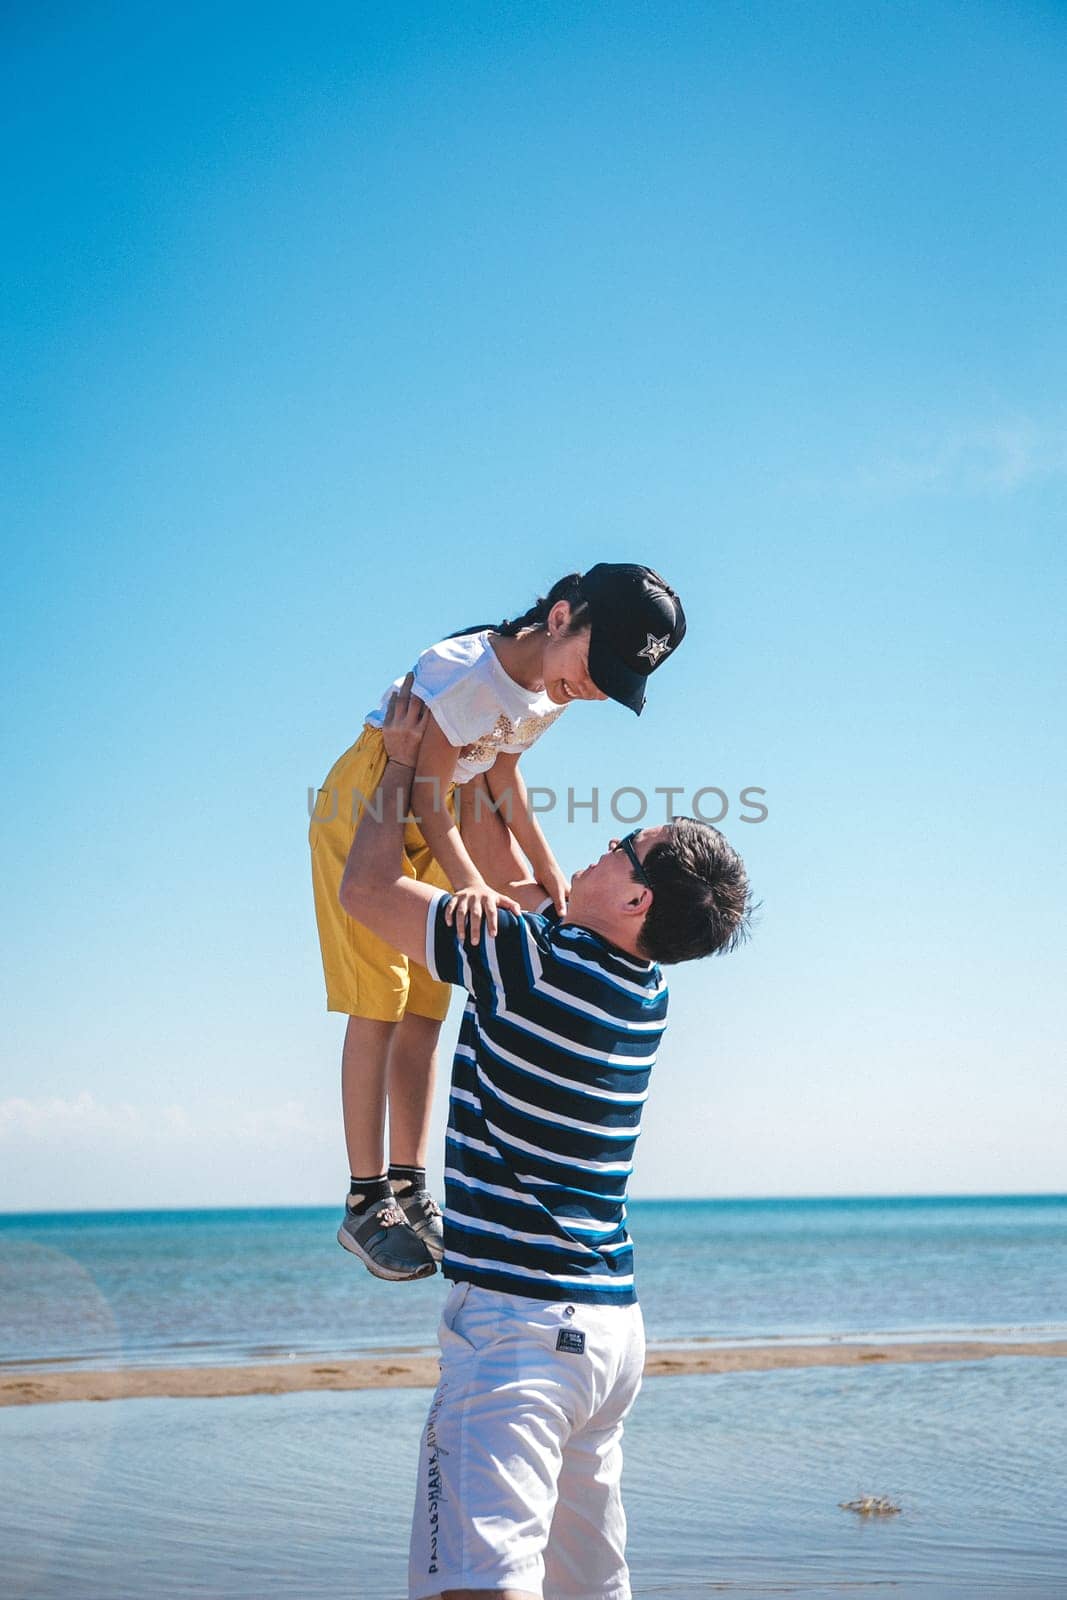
(405, 724)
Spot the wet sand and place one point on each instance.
(22, 1387)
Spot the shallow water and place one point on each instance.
(143, 1288)
(732, 1483)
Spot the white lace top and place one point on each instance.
(474, 702)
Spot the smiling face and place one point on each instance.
(566, 661)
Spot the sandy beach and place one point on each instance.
(19, 1388)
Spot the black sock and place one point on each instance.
(405, 1179)
(367, 1192)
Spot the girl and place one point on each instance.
(491, 691)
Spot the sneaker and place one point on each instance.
(424, 1217)
(385, 1242)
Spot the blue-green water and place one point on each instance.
(733, 1484)
(216, 1286)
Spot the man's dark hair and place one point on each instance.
(701, 904)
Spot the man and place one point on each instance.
(542, 1345)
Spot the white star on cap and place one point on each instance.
(655, 648)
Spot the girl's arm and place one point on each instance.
(504, 776)
(473, 901)
(437, 762)
(492, 846)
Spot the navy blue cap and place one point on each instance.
(636, 622)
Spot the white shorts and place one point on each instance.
(521, 1459)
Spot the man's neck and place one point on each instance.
(610, 936)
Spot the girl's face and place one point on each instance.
(566, 661)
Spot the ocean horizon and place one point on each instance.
(736, 1484)
(232, 1284)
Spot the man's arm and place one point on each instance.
(374, 888)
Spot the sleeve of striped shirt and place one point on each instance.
(483, 969)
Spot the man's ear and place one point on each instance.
(638, 902)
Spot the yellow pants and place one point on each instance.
(365, 977)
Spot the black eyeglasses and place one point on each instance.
(627, 844)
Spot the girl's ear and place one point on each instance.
(558, 618)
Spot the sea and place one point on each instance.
(735, 1484)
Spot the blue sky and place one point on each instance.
(333, 329)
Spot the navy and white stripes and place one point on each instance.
(551, 1071)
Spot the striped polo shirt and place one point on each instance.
(550, 1074)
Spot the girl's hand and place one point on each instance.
(557, 886)
(474, 904)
